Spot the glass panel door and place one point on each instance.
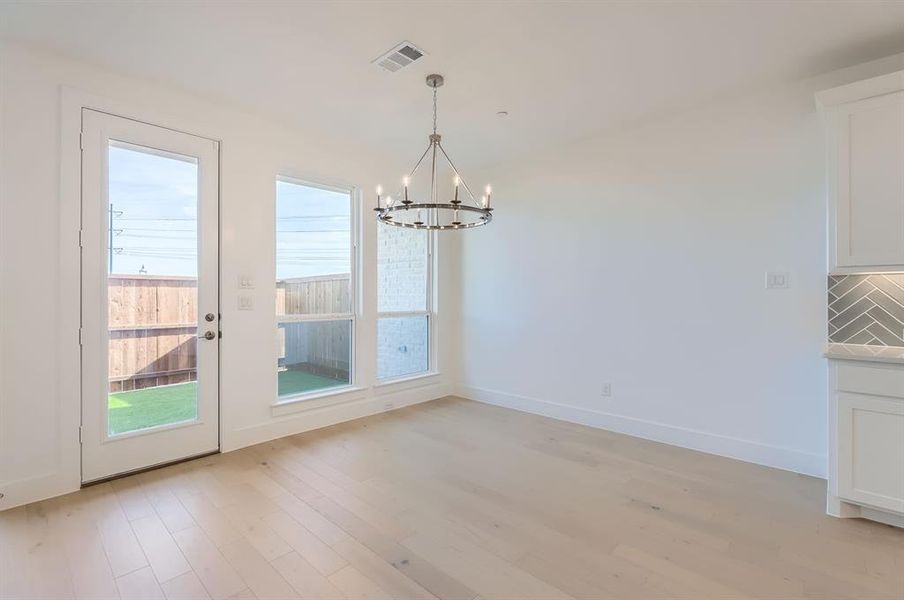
(149, 278)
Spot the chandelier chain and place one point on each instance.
(434, 109)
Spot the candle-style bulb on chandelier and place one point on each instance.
(445, 205)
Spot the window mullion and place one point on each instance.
(315, 317)
(405, 313)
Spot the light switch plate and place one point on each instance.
(778, 280)
(246, 302)
(246, 282)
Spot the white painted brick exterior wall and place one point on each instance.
(402, 345)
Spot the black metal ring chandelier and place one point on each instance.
(432, 213)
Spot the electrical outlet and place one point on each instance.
(606, 390)
(246, 282)
(246, 302)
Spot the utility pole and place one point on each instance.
(110, 229)
(111, 232)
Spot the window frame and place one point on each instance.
(354, 288)
(429, 311)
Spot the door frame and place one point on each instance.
(66, 474)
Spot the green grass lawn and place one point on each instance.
(300, 382)
(166, 404)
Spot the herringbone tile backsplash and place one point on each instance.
(867, 309)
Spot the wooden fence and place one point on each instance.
(153, 328)
(327, 294)
(320, 347)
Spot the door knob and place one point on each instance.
(209, 335)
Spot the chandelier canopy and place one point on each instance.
(426, 207)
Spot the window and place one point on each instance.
(315, 288)
(404, 290)
(152, 288)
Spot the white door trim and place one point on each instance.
(104, 455)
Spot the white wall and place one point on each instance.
(39, 398)
(639, 258)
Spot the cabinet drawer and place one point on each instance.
(877, 381)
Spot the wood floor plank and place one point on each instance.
(47, 565)
(208, 517)
(119, 541)
(355, 585)
(295, 505)
(257, 532)
(164, 501)
(306, 544)
(163, 554)
(212, 569)
(706, 586)
(258, 573)
(92, 576)
(490, 575)
(14, 563)
(140, 585)
(131, 497)
(305, 579)
(385, 575)
(185, 587)
(366, 540)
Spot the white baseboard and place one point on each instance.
(40, 487)
(332, 414)
(711, 443)
(836, 507)
(893, 519)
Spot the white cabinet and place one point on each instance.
(865, 169)
(871, 451)
(866, 474)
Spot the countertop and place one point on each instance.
(884, 354)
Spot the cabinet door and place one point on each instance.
(871, 450)
(867, 182)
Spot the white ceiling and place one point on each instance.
(562, 70)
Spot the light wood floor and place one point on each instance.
(450, 499)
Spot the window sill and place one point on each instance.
(317, 400)
(418, 380)
(353, 393)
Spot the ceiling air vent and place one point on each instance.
(401, 56)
